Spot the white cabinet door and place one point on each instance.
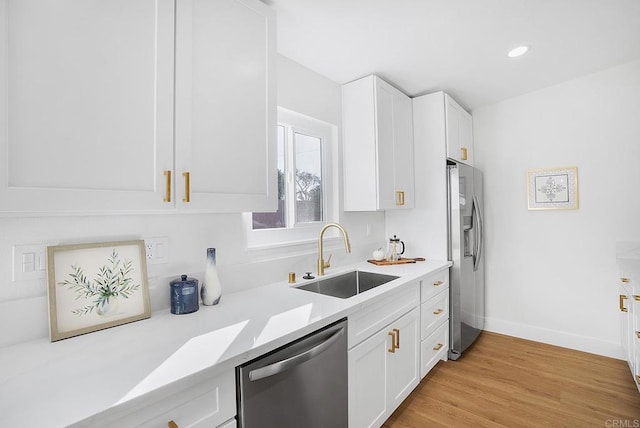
(225, 105)
(403, 151)
(458, 132)
(368, 381)
(378, 146)
(403, 375)
(381, 373)
(86, 104)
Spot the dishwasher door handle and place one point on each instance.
(286, 364)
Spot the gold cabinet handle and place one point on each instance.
(625, 280)
(187, 187)
(636, 298)
(167, 189)
(397, 332)
(638, 334)
(393, 343)
(399, 198)
(622, 299)
(438, 283)
(438, 311)
(463, 153)
(438, 347)
(172, 424)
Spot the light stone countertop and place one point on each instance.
(55, 384)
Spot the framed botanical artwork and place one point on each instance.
(96, 286)
(553, 188)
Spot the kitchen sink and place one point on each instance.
(348, 284)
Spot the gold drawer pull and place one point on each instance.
(397, 332)
(399, 198)
(463, 152)
(187, 187)
(438, 283)
(172, 424)
(638, 334)
(167, 190)
(438, 347)
(625, 280)
(393, 343)
(622, 299)
(438, 311)
(637, 298)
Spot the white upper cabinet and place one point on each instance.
(378, 146)
(87, 105)
(459, 128)
(225, 105)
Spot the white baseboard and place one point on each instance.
(564, 339)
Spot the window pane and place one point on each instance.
(308, 161)
(278, 218)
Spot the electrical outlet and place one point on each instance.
(157, 250)
(29, 262)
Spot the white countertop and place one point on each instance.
(55, 384)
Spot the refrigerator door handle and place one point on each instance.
(479, 241)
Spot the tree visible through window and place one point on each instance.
(300, 192)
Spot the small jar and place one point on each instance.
(184, 295)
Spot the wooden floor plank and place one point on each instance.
(503, 381)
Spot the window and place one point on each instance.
(305, 195)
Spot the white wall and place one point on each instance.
(551, 275)
(23, 304)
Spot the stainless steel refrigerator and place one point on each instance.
(466, 241)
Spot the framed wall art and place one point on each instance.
(553, 188)
(96, 286)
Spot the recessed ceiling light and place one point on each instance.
(520, 50)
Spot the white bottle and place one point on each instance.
(211, 290)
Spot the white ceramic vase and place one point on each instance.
(211, 289)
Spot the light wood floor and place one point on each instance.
(503, 381)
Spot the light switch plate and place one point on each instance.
(29, 262)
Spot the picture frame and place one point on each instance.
(96, 286)
(553, 188)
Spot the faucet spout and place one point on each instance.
(322, 265)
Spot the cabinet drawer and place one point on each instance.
(433, 312)
(372, 318)
(434, 284)
(206, 404)
(434, 348)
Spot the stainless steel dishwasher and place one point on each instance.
(302, 384)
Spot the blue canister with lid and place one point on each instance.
(184, 295)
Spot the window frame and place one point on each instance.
(302, 234)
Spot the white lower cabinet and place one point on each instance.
(210, 403)
(629, 305)
(434, 320)
(383, 370)
(433, 349)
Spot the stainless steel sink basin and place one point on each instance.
(348, 284)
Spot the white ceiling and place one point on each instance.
(459, 46)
